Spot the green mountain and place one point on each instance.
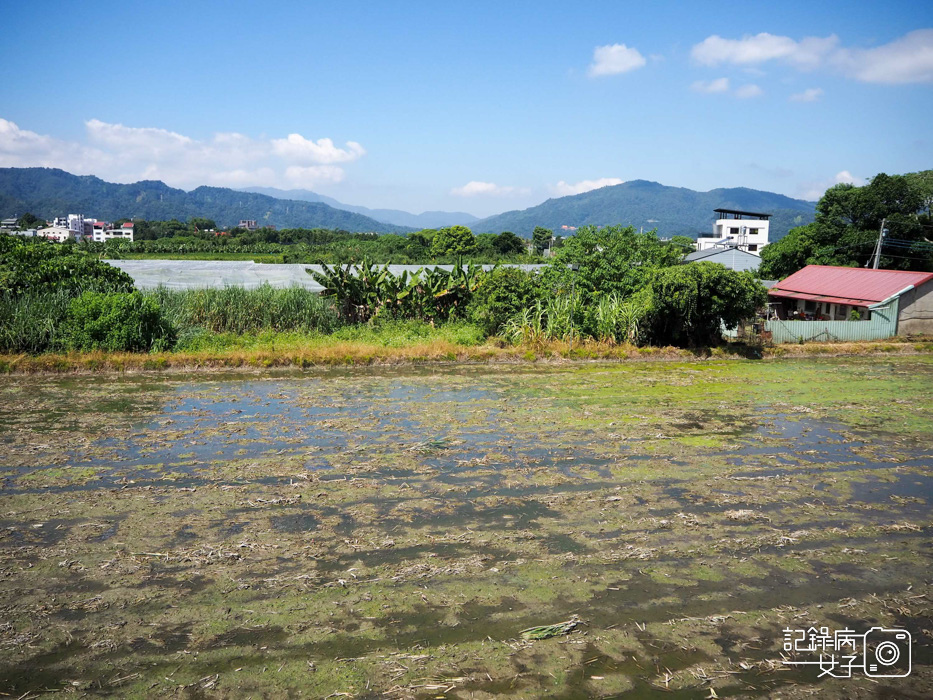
(672, 210)
(48, 192)
(427, 219)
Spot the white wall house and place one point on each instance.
(745, 230)
(57, 233)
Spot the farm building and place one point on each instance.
(732, 257)
(850, 303)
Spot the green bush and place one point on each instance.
(609, 260)
(502, 293)
(688, 305)
(117, 322)
(38, 265)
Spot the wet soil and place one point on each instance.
(391, 532)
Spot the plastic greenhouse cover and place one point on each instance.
(195, 274)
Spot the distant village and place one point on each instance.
(74, 227)
(77, 227)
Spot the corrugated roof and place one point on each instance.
(855, 286)
(702, 254)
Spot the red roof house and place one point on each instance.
(830, 293)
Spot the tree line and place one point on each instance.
(611, 284)
(849, 222)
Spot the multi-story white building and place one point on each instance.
(97, 231)
(76, 225)
(745, 230)
(123, 233)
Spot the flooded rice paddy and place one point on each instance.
(391, 532)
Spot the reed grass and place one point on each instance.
(239, 310)
(33, 322)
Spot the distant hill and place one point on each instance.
(428, 219)
(49, 192)
(640, 203)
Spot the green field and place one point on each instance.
(380, 532)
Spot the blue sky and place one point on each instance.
(479, 106)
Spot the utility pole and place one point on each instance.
(876, 254)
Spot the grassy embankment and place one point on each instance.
(405, 343)
(269, 327)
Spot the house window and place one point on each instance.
(753, 231)
(733, 230)
(752, 248)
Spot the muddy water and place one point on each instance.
(392, 532)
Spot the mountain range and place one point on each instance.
(428, 219)
(48, 193)
(644, 204)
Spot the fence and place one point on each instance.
(883, 324)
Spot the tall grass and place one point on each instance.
(239, 310)
(618, 320)
(33, 322)
(555, 319)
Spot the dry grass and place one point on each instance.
(359, 353)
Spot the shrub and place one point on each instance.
(502, 293)
(117, 322)
(454, 240)
(689, 304)
(39, 265)
(612, 259)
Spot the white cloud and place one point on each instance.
(748, 91)
(721, 86)
(751, 50)
(813, 191)
(809, 95)
(907, 59)
(614, 59)
(711, 86)
(475, 188)
(309, 176)
(844, 176)
(297, 148)
(564, 189)
(20, 147)
(122, 153)
(126, 138)
(14, 140)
